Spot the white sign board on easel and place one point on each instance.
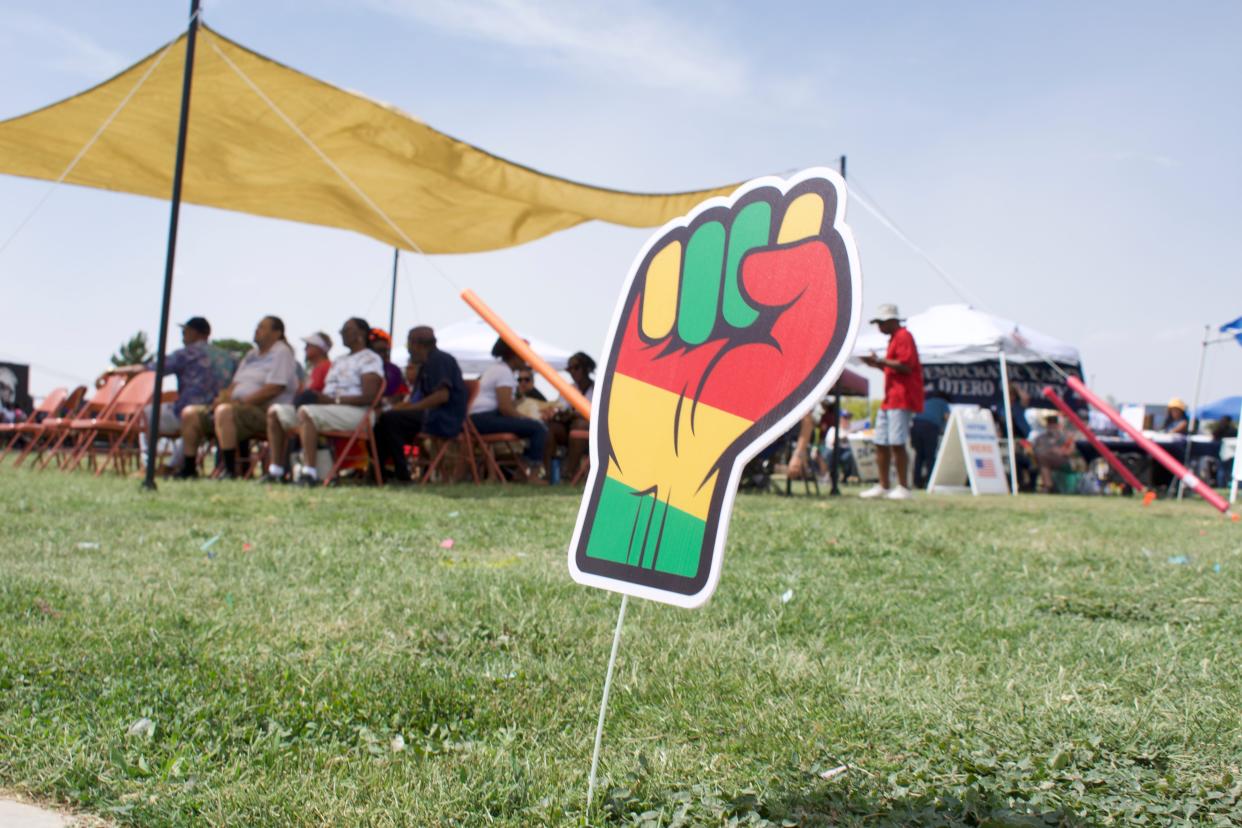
(863, 450)
(1237, 466)
(970, 457)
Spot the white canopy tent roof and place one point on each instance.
(961, 334)
(471, 341)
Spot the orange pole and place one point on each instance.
(568, 392)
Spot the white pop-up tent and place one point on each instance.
(470, 342)
(971, 356)
(961, 334)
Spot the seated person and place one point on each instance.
(530, 400)
(562, 418)
(1222, 430)
(202, 371)
(436, 406)
(318, 363)
(267, 375)
(348, 392)
(1054, 452)
(1175, 420)
(495, 411)
(526, 390)
(395, 388)
(796, 469)
(846, 467)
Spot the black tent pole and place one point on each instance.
(153, 436)
(392, 304)
(836, 426)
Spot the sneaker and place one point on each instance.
(899, 493)
(875, 491)
(307, 480)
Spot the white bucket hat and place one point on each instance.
(886, 312)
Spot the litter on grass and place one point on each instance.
(142, 727)
(833, 773)
(88, 545)
(447, 543)
(210, 542)
(787, 596)
(1179, 559)
(397, 744)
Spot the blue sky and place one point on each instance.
(1074, 166)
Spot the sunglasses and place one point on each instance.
(525, 379)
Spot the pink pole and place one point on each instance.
(1163, 457)
(1105, 451)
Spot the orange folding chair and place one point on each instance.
(52, 439)
(585, 465)
(120, 426)
(488, 444)
(362, 435)
(50, 407)
(428, 464)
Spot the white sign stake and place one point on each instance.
(603, 702)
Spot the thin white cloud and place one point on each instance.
(637, 43)
(61, 49)
(1155, 159)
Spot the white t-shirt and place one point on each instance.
(499, 375)
(345, 376)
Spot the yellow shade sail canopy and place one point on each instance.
(444, 195)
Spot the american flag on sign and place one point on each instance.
(985, 466)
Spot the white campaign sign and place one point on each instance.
(863, 449)
(1237, 467)
(970, 456)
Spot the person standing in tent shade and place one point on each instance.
(903, 398)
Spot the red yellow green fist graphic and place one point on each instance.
(735, 320)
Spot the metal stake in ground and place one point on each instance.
(603, 703)
(154, 437)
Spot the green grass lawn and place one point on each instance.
(974, 661)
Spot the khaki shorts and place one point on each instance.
(251, 421)
(286, 414)
(325, 417)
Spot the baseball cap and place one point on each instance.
(320, 340)
(198, 323)
(886, 312)
(1177, 402)
(380, 335)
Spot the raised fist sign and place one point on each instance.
(735, 320)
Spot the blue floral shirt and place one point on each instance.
(202, 372)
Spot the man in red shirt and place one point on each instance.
(903, 398)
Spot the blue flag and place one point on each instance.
(1235, 328)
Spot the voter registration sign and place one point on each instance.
(969, 457)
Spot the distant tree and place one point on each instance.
(236, 347)
(133, 352)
